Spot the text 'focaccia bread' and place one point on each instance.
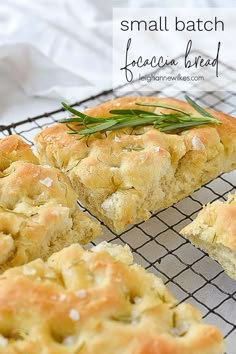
(214, 231)
(99, 302)
(38, 214)
(122, 176)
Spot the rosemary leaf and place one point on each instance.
(135, 112)
(199, 109)
(98, 128)
(135, 122)
(87, 119)
(73, 111)
(163, 106)
(176, 126)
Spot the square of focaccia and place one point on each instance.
(97, 302)
(214, 231)
(38, 208)
(123, 176)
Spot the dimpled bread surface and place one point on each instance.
(214, 231)
(14, 148)
(38, 208)
(99, 302)
(123, 176)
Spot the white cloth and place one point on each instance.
(53, 50)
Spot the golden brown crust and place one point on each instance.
(125, 175)
(13, 148)
(95, 302)
(214, 230)
(38, 207)
(38, 214)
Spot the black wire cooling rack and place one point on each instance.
(189, 273)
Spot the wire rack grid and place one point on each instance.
(189, 273)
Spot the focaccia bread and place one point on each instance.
(38, 214)
(214, 231)
(124, 175)
(96, 302)
(13, 148)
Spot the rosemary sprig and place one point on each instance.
(175, 121)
